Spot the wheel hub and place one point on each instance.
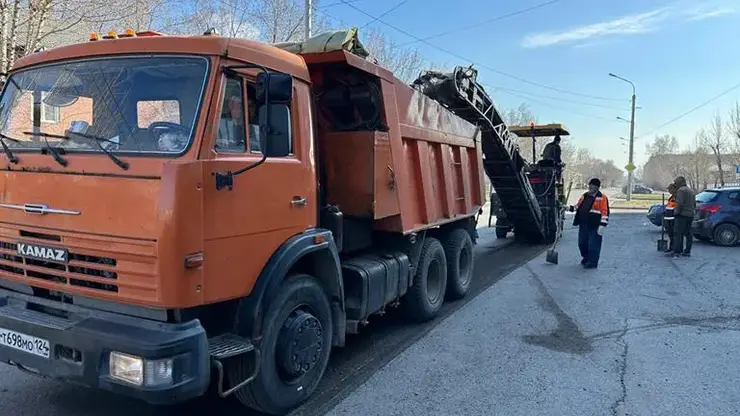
(300, 343)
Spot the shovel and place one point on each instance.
(552, 253)
(663, 243)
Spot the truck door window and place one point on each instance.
(231, 130)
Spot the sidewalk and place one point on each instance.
(641, 335)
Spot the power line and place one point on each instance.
(453, 54)
(486, 22)
(557, 107)
(326, 6)
(704, 104)
(549, 97)
(387, 12)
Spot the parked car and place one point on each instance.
(655, 214)
(717, 216)
(638, 189)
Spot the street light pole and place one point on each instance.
(630, 165)
(307, 18)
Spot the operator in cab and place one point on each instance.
(592, 217)
(552, 152)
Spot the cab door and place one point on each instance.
(246, 224)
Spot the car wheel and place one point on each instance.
(726, 235)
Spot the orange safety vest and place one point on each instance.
(599, 212)
(669, 209)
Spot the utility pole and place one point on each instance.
(307, 18)
(630, 165)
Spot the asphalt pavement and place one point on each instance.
(349, 367)
(641, 335)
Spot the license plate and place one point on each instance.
(23, 342)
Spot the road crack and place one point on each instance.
(617, 409)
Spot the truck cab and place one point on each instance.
(120, 237)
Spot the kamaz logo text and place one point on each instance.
(43, 253)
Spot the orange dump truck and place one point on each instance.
(181, 212)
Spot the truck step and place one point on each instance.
(228, 345)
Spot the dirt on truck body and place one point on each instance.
(180, 212)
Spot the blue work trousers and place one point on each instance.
(589, 243)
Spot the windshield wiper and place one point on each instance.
(123, 165)
(11, 157)
(49, 148)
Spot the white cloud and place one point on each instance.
(626, 25)
(702, 14)
(635, 24)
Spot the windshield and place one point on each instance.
(146, 104)
(706, 196)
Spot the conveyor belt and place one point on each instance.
(460, 93)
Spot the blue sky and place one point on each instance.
(678, 53)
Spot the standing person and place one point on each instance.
(553, 152)
(683, 214)
(669, 216)
(592, 217)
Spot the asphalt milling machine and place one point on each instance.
(530, 197)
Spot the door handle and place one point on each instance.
(298, 201)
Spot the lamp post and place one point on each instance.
(630, 165)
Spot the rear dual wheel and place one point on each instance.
(425, 298)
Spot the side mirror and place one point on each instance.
(275, 87)
(275, 131)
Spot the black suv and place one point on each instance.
(717, 216)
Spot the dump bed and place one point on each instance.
(388, 153)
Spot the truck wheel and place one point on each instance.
(295, 348)
(459, 253)
(502, 232)
(426, 295)
(726, 235)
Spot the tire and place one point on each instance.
(427, 293)
(458, 248)
(301, 313)
(502, 232)
(726, 235)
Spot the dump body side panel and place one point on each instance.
(421, 166)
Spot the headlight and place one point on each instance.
(140, 372)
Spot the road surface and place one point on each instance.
(365, 353)
(641, 335)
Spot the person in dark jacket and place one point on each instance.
(669, 216)
(553, 153)
(683, 214)
(592, 217)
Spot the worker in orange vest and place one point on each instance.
(592, 217)
(668, 215)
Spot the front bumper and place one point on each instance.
(80, 341)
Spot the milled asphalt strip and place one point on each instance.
(325, 400)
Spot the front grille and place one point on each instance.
(83, 270)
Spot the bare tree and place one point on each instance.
(699, 161)
(662, 145)
(405, 63)
(716, 140)
(733, 130)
